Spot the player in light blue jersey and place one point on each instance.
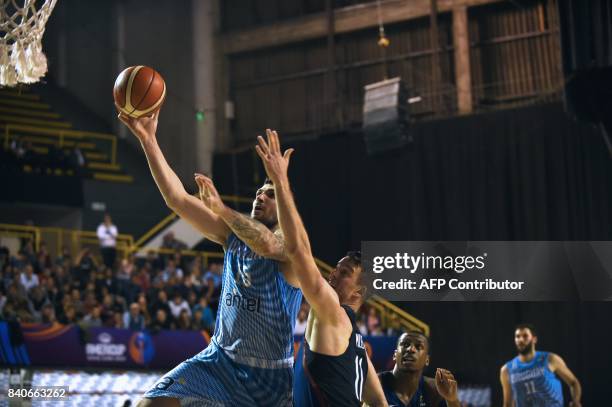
(530, 379)
(249, 361)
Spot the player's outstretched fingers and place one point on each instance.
(260, 153)
(273, 142)
(263, 145)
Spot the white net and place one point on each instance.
(22, 25)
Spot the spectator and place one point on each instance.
(48, 314)
(84, 266)
(133, 319)
(93, 319)
(63, 255)
(206, 318)
(301, 321)
(2, 300)
(184, 319)
(161, 303)
(171, 242)
(107, 235)
(124, 276)
(171, 271)
(69, 315)
(177, 305)
(373, 320)
(118, 320)
(161, 322)
(38, 298)
(28, 279)
(213, 281)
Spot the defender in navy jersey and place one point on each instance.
(405, 385)
(333, 367)
(530, 379)
(249, 361)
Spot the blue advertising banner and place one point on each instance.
(69, 345)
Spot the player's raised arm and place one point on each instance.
(557, 365)
(321, 296)
(506, 388)
(255, 234)
(186, 206)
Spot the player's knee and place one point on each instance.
(159, 402)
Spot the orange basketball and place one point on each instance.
(139, 91)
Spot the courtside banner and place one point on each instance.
(489, 271)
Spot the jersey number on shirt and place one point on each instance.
(359, 377)
(530, 387)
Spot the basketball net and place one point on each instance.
(21, 31)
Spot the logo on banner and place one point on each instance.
(105, 350)
(141, 348)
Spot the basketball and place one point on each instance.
(139, 91)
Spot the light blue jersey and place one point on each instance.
(533, 383)
(250, 359)
(257, 309)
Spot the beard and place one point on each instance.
(525, 350)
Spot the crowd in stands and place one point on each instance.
(21, 153)
(157, 292)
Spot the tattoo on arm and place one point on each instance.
(257, 236)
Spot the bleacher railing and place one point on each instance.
(103, 141)
(57, 238)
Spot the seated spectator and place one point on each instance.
(48, 314)
(373, 320)
(17, 305)
(28, 279)
(105, 281)
(177, 305)
(2, 300)
(124, 276)
(144, 309)
(213, 277)
(38, 298)
(302, 320)
(161, 303)
(170, 242)
(118, 320)
(77, 302)
(43, 258)
(84, 266)
(133, 319)
(172, 271)
(161, 322)
(63, 256)
(184, 320)
(206, 318)
(93, 319)
(69, 315)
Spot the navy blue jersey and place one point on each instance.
(533, 383)
(419, 399)
(257, 309)
(336, 381)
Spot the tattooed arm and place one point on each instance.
(255, 234)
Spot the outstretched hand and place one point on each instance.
(446, 385)
(208, 193)
(275, 163)
(143, 128)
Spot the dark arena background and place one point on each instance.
(495, 126)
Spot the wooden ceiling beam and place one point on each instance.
(346, 19)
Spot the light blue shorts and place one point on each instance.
(211, 378)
